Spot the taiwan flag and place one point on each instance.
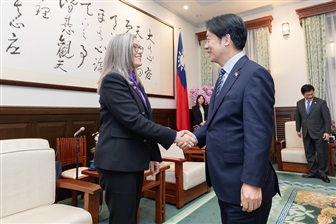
(182, 105)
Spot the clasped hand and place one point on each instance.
(185, 139)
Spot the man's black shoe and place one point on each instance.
(309, 175)
(325, 179)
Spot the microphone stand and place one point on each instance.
(77, 152)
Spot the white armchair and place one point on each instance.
(28, 184)
(290, 151)
(185, 180)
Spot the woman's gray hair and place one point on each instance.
(118, 57)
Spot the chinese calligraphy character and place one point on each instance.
(150, 58)
(87, 8)
(99, 49)
(13, 23)
(128, 26)
(14, 49)
(59, 65)
(101, 15)
(100, 32)
(70, 6)
(64, 48)
(148, 73)
(149, 36)
(67, 25)
(137, 32)
(115, 21)
(44, 11)
(98, 66)
(83, 55)
(87, 24)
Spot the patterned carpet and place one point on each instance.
(303, 201)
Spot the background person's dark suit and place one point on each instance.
(238, 134)
(197, 115)
(314, 124)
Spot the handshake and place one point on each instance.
(185, 139)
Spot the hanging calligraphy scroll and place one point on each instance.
(61, 44)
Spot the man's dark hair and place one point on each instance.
(307, 88)
(229, 24)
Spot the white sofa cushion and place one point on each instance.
(193, 174)
(25, 164)
(174, 151)
(294, 151)
(71, 173)
(28, 184)
(292, 140)
(293, 155)
(55, 213)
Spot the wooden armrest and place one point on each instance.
(79, 185)
(194, 151)
(279, 145)
(173, 159)
(92, 193)
(281, 141)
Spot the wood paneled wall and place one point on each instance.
(53, 122)
(283, 114)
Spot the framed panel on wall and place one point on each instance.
(61, 44)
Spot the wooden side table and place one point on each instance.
(195, 154)
(332, 153)
(158, 185)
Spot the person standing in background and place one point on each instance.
(127, 137)
(200, 112)
(313, 117)
(239, 129)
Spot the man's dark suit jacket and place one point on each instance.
(238, 133)
(316, 122)
(127, 137)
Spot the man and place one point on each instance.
(312, 115)
(239, 129)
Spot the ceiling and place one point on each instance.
(201, 11)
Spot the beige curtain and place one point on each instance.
(206, 67)
(315, 40)
(257, 46)
(331, 63)
(261, 36)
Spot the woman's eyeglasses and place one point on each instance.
(137, 48)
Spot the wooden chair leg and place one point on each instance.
(92, 204)
(74, 198)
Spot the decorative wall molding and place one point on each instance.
(251, 24)
(316, 10)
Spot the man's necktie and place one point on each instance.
(221, 79)
(308, 106)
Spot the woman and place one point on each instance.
(127, 137)
(200, 112)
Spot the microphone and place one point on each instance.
(79, 131)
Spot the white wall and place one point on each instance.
(287, 55)
(287, 62)
(28, 96)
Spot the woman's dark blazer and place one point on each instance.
(197, 114)
(127, 137)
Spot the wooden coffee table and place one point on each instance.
(158, 185)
